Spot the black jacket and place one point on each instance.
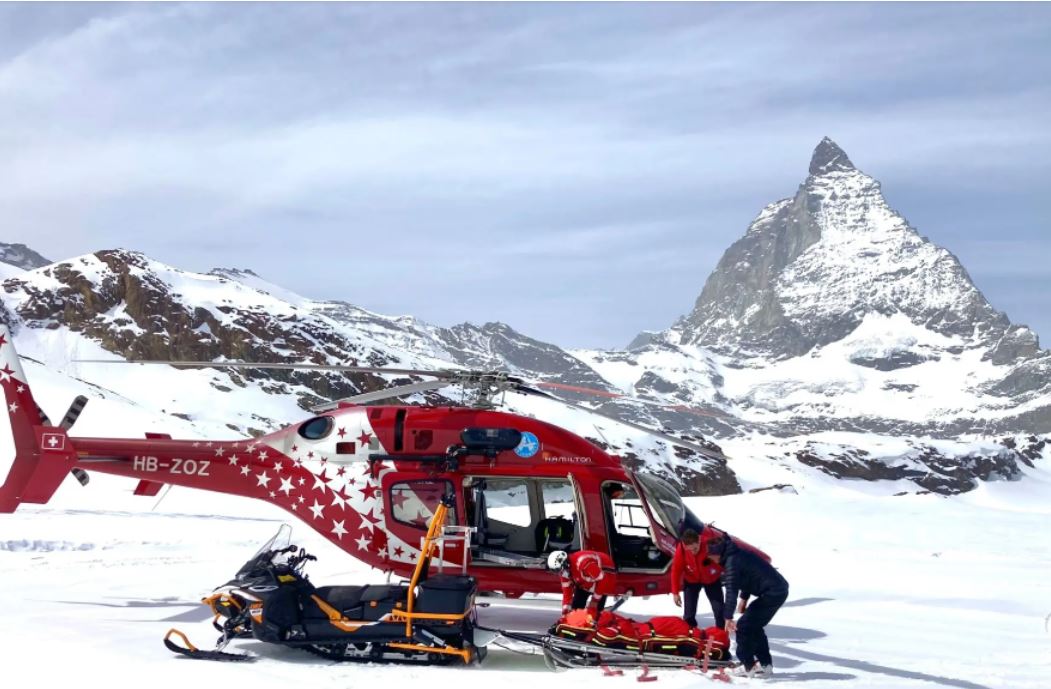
(745, 573)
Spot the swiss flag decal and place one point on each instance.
(55, 442)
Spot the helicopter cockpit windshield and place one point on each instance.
(666, 505)
(663, 501)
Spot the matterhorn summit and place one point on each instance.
(811, 268)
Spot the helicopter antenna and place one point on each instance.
(600, 433)
(163, 495)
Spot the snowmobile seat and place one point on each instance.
(378, 600)
(368, 602)
(346, 599)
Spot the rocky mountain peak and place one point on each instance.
(810, 269)
(21, 256)
(829, 157)
(233, 273)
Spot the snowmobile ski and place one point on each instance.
(191, 651)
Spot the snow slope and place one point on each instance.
(916, 591)
(887, 592)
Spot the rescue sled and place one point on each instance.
(612, 640)
(429, 620)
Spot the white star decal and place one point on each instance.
(280, 467)
(317, 509)
(301, 480)
(263, 479)
(262, 454)
(219, 452)
(365, 523)
(245, 470)
(286, 486)
(273, 494)
(337, 529)
(337, 500)
(13, 407)
(319, 483)
(363, 543)
(233, 460)
(300, 499)
(21, 388)
(295, 506)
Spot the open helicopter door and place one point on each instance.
(410, 499)
(664, 527)
(582, 515)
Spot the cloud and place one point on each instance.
(579, 167)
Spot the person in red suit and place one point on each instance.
(691, 571)
(588, 576)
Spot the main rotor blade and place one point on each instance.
(630, 398)
(386, 393)
(704, 451)
(439, 373)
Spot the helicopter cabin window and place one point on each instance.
(630, 538)
(317, 428)
(517, 521)
(413, 503)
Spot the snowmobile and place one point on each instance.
(431, 619)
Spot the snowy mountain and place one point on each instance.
(830, 338)
(810, 268)
(21, 256)
(123, 303)
(832, 319)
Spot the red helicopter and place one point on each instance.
(368, 478)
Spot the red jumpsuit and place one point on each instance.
(590, 571)
(690, 568)
(690, 574)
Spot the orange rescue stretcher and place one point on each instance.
(611, 640)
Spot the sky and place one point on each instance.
(573, 170)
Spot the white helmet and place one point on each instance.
(557, 560)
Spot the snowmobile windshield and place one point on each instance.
(262, 558)
(282, 539)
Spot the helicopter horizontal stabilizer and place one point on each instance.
(43, 454)
(148, 488)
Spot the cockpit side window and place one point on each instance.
(317, 428)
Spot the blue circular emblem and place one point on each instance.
(528, 446)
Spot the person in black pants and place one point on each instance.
(747, 574)
(692, 572)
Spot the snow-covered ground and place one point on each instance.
(908, 591)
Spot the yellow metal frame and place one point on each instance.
(464, 654)
(422, 564)
(430, 544)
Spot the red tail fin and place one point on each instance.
(43, 454)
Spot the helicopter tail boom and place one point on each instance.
(43, 454)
